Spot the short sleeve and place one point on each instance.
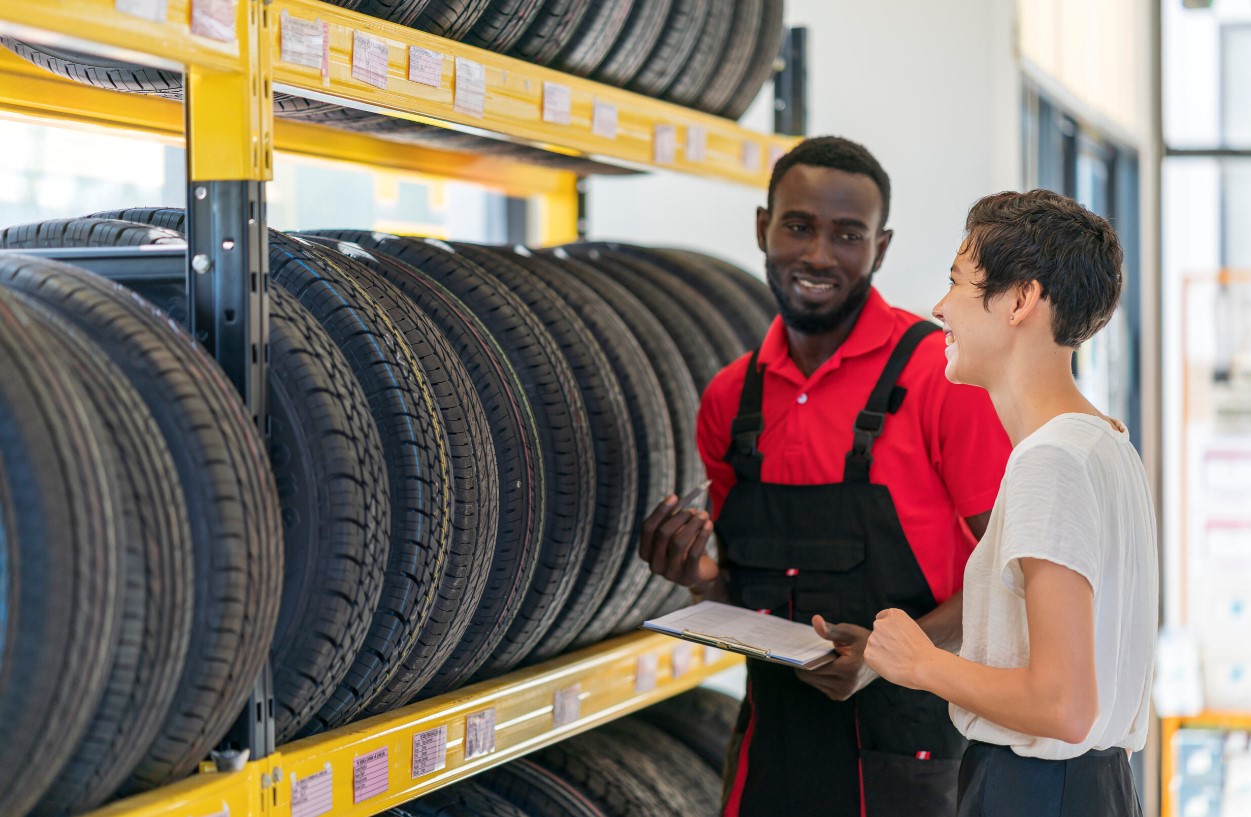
(1051, 512)
(712, 436)
(971, 448)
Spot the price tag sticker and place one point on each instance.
(214, 19)
(480, 733)
(371, 775)
(313, 795)
(751, 157)
(604, 119)
(147, 9)
(664, 144)
(645, 670)
(470, 95)
(712, 655)
(696, 144)
(425, 66)
(557, 103)
(567, 707)
(302, 41)
(369, 60)
(429, 751)
(683, 652)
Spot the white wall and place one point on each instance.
(930, 88)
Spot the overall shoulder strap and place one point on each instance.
(748, 425)
(886, 398)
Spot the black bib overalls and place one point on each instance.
(837, 550)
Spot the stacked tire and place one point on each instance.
(463, 442)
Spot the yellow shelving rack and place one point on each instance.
(231, 54)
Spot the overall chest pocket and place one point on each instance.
(801, 578)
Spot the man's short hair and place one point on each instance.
(1043, 236)
(837, 153)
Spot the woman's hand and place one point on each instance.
(898, 649)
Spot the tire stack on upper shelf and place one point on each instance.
(463, 443)
(711, 55)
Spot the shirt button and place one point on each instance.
(803, 398)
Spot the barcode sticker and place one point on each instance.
(682, 654)
(696, 144)
(712, 655)
(369, 59)
(371, 775)
(147, 9)
(302, 41)
(313, 795)
(751, 157)
(567, 707)
(215, 19)
(664, 144)
(645, 670)
(470, 95)
(604, 119)
(425, 66)
(429, 751)
(480, 733)
(557, 103)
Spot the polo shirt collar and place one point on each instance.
(872, 331)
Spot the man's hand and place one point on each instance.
(674, 541)
(898, 649)
(847, 674)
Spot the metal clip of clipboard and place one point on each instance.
(725, 643)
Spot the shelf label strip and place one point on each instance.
(147, 9)
(313, 796)
(429, 751)
(645, 671)
(567, 706)
(470, 95)
(215, 19)
(604, 119)
(557, 103)
(425, 66)
(371, 775)
(369, 60)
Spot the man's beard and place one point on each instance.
(819, 323)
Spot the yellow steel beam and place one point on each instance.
(558, 214)
(505, 718)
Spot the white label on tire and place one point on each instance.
(696, 144)
(682, 655)
(480, 733)
(215, 19)
(664, 144)
(147, 9)
(645, 670)
(470, 95)
(751, 157)
(313, 795)
(369, 60)
(567, 707)
(604, 119)
(429, 751)
(557, 103)
(301, 41)
(371, 775)
(425, 66)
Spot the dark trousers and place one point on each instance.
(997, 782)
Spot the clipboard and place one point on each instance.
(746, 632)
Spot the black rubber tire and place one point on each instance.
(675, 762)
(549, 33)
(503, 24)
(452, 19)
(537, 790)
(595, 38)
(469, 798)
(709, 50)
(682, 401)
(460, 574)
(100, 72)
(677, 40)
(514, 436)
(404, 12)
(637, 40)
(736, 57)
(768, 45)
(653, 434)
(741, 311)
(584, 328)
(702, 719)
(88, 231)
(231, 501)
(156, 606)
(575, 569)
(757, 289)
(60, 553)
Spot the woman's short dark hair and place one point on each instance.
(1043, 236)
(837, 153)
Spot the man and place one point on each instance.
(848, 476)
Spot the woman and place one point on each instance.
(1060, 602)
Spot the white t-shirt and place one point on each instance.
(1074, 493)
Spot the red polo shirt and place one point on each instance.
(942, 454)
